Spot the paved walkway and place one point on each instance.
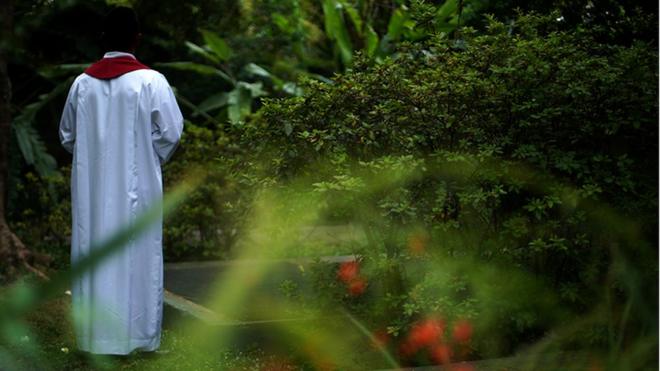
(188, 285)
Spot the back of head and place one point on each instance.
(120, 30)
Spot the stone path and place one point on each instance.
(188, 285)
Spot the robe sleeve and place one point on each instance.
(68, 120)
(166, 120)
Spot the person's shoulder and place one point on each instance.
(151, 78)
(80, 82)
(80, 78)
(150, 75)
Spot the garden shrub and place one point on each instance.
(205, 225)
(516, 134)
(40, 214)
(556, 100)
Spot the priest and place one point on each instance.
(121, 122)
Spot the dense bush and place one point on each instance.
(565, 106)
(514, 136)
(557, 101)
(41, 214)
(206, 224)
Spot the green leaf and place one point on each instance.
(257, 70)
(353, 15)
(33, 148)
(293, 89)
(29, 141)
(282, 23)
(190, 66)
(395, 26)
(215, 101)
(201, 51)
(198, 68)
(288, 129)
(239, 104)
(60, 70)
(447, 16)
(336, 29)
(318, 77)
(447, 10)
(372, 41)
(217, 45)
(255, 88)
(24, 141)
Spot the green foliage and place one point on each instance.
(41, 214)
(27, 137)
(557, 101)
(205, 225)
(335, 29)
(618, 22)
(237, 103)
(411, 23)
(512, 137)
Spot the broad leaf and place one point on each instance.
(372, 41)
(60, 70)
(288, 129)
(29, 141)
(293, 89)
(24, 141)
(213, 102)
(256, 70)
(239, 105)
(353, 15)
(201, 51)
(448, 15)
(282, 23)
(255, 88)
(217, 45)
(33, 148)
(395, 26)
(196, 67)
(447, 10)
(336, 29)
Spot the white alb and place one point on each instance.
(120, 131)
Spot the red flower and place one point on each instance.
(462, 331)
(348, 271)
(441, 353)
(426, 333)
(356, 286)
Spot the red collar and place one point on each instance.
(109, 68)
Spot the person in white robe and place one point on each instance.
(121, 122)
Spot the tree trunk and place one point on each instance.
(13, 254)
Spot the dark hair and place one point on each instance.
(120, 28)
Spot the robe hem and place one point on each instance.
(119, 347)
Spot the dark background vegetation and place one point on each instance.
(547, 109)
